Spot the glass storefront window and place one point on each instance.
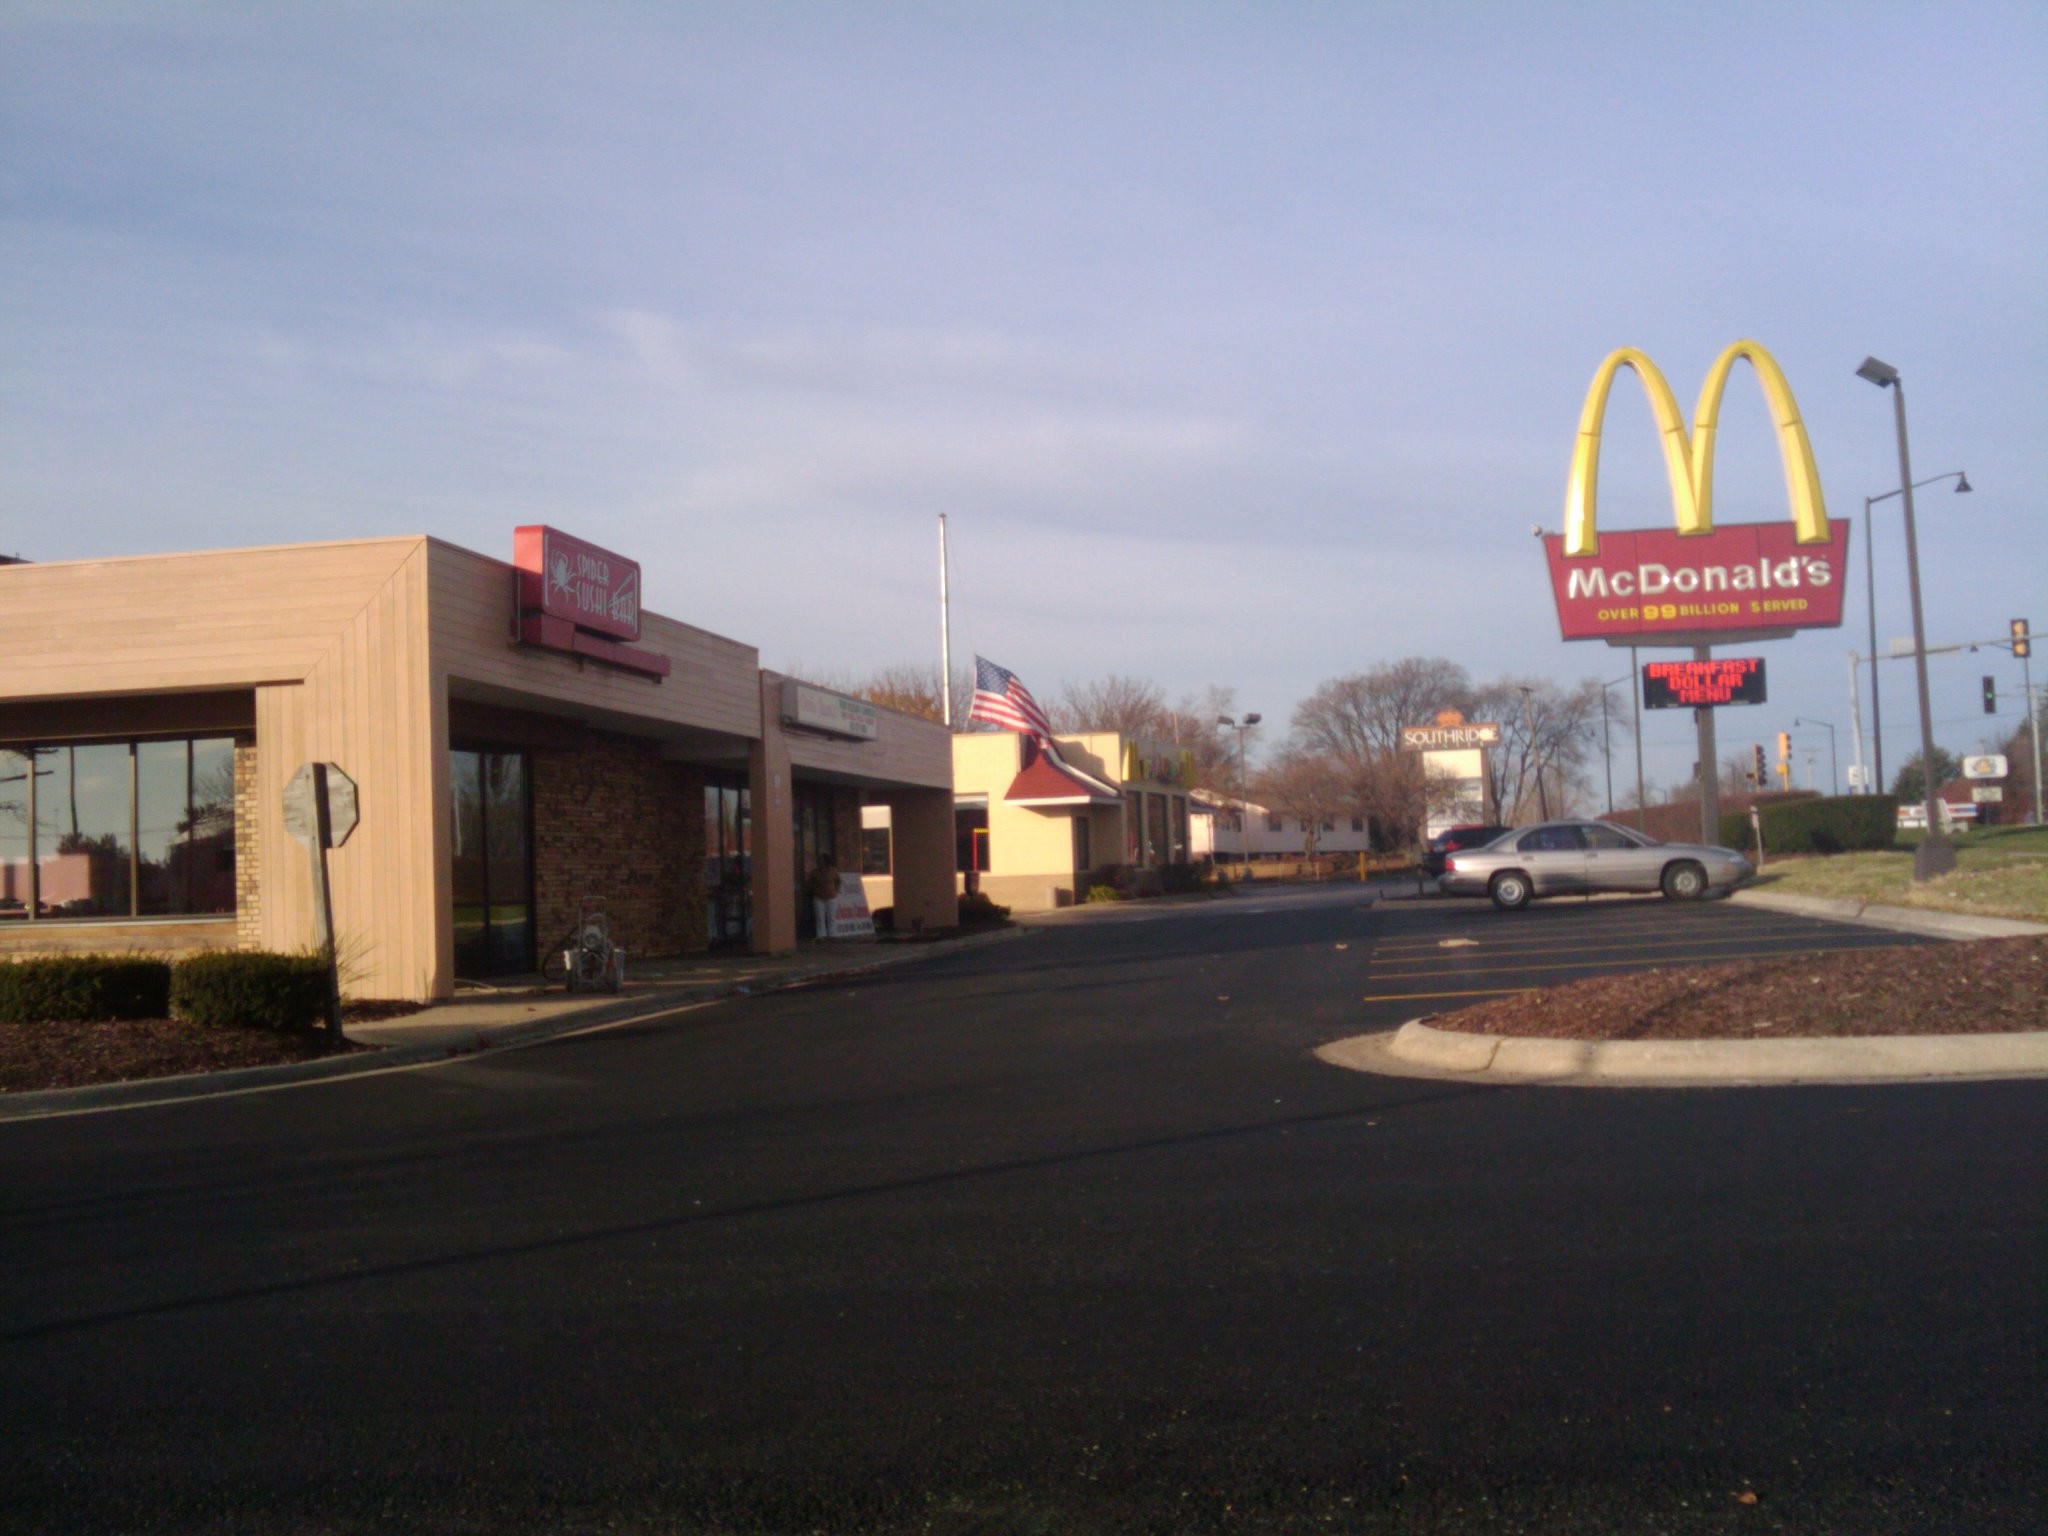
(118, 829)
(14, 859)
(85, 832)
(492, 871)
(1155, 829)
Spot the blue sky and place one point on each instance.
(1241, 344)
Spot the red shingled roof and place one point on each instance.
(1047, 781)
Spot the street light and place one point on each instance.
(1244, 806)
(1936, 855)
(1870, 601)
(1529, 713)
(1834, 764)
(1606, 746)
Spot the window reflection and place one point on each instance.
(118, 829)
(14, 862)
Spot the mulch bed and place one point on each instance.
(1988, 986)
(34, 1057)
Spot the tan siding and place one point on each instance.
(211, 620)
(365, 705)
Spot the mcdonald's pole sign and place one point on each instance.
(1697, 584)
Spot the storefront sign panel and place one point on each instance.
(1743, 578)
(565, 578)
(831, 714)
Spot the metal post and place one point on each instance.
(1935, 855)
(945, 635)
(323, 910)
(1870, 594)
(2033, 726)
(1529, 714)
(1856, 724)
(1710, 764)
(1635, 694)
(1606, 749)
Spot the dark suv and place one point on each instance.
(1452, 841)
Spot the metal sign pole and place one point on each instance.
(323, 917)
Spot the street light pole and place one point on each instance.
(1962, 481)
(1529, 714)
(1834, 765)
(1936, 855)
(1606, 746)
(1244, 805)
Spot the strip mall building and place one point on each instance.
(514, 759)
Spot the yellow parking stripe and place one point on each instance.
(1391, 997)
(1450, 972)
(1484, 948)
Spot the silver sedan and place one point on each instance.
(1577, 858)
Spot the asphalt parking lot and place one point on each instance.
(1436, 956)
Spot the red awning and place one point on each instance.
(1047, 781)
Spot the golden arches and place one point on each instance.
(1689, 457)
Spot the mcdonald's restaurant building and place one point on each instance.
(524, 741)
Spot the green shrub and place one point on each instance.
(1180, 879)
(250, 988)
(84, 988)
(978, 907)
(1836, 824)
(1100, 893)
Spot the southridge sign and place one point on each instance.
(1696, 584)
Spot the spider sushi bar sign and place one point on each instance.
(577, 598)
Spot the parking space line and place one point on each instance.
(1470, 948)
(1452, 970)
(1391, 997)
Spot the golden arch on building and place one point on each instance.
(1689, 457)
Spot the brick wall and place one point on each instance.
(614, 824)
(248, 867)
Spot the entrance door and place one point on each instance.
(493, 864)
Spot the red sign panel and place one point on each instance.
(1646, 583)
(1703, 684)
(577, 598)
(565, 578)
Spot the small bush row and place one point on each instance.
(252, 988)
(1834, 824)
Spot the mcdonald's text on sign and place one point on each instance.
(1703, 684)
(1741, 578)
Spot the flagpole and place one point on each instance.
(945, 635)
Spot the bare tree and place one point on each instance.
(1354, 722)
(1564, 739)
(1128, 705)
(1308, 785)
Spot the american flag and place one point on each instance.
(1000, 699)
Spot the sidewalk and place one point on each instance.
(522, 1011)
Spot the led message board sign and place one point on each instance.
(1703, 684)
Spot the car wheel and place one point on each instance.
(1509, 890)
(1685, 882)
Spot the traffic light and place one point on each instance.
(1990, 696)
(2021, 640)
(1784, 746)
(1756, 767)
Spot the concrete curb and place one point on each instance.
(1691, 1063)
(1939, 925)
(145, 1092)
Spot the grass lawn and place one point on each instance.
(2000, 872)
